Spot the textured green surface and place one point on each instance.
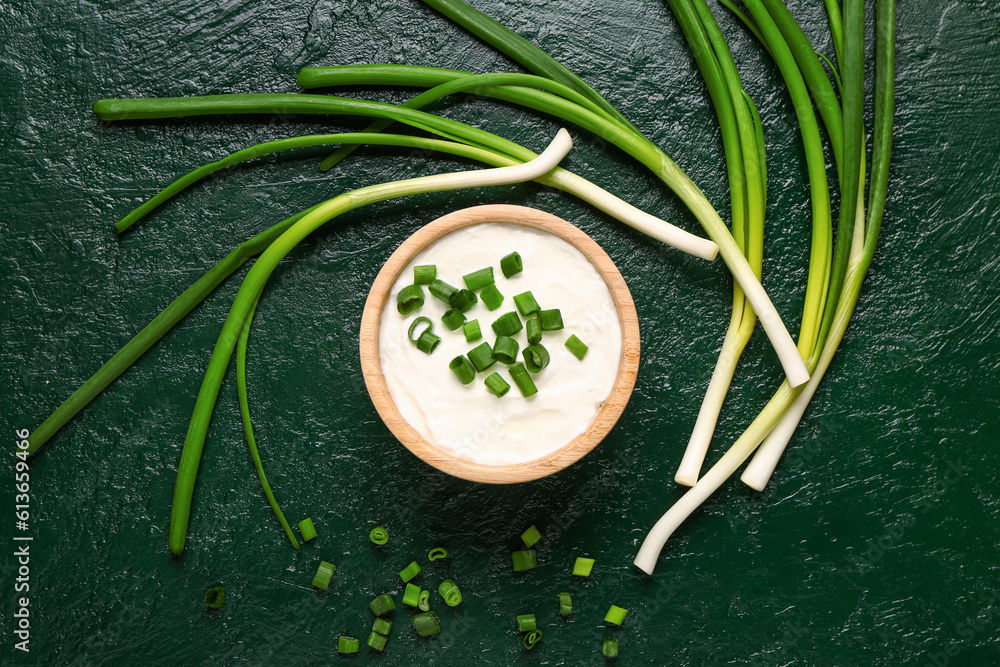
(876, 543)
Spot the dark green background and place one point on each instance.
(876, 542)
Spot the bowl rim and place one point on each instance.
(371, 364)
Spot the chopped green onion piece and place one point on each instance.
(436, 553)
(441, 290)
(462, 369)
(577, 347)
(348, 644)
(615, 615)
(410, 571)
(532, 638)
(534, 331)
(526, 623)
(609, 647)
(424, 274)
(565, 604)
(505, 349)
(323, 575)
(511, 264)
(463, 300)
(379, 535)
(453, 318)
(536, 357)
(583, 566)
(413, 326)
(382, 605)
(409, 299)
(491, 297)
(550, 320)
(524, 560)
(450, 592)
(428, 341)
(482, 357)
(497, 385)
(507, 324)
(426, 623)
(382, 626)
(377, 641)
(411, 595)
(471, 331)
(530, 536)
(424, 601)
(477, 280)
(522, 378)
(525, 302)
(307, 529)
(215, 597)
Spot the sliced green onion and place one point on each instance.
(215, 597)
(324, 573)
(477, 280)
(532, 638)
(436, 553)
(534, 330)
(482, 357)
(524, 560)
(377, 641)
(505, 349)
(379, 535)
(453, 318)
(450, 592)
(497, 385)
(348, 644)
(526, 623)
(424, 274)
(441, 290)
(382, 605)
(550, 320)
(409, 299)
(583, 566)
(507, 324)
(536, 357)
(471, 331)
(463, 300)
(424, 601)
(410, 571)
(526, 304)
(411, 596)
(524, 383)
(462, 369)
(426, 623)
(615, 615)
(413, 326)
(383, 626)
(428, 341)
(530, 536)
(565, 604)
(511, 265)
(577, 347)
(491, 297)
(609, 647)
(307, 529)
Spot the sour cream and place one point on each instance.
(469, 421)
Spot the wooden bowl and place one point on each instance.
(445, 461)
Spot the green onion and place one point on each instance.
(482, 357)
(471, 331)
(441, 290)
(307, 529)
(497, 385)
(453, 318)
(530, 536)
(463, 300)
(426, 623)
(491, 297)
(413, 326)
(526, 623)
(577, 347)
(424, 601)
(534, 330)
(409, 299)
(462, 369)
(523, 380)
(505, 349)
(565, 604)
(532, 638)
(536, 357)
(609, 647)
(526, 304)
(550, 320)
(436, 553)
(583, 566)
(477, 280)
(450, 592)
(377, 641)
(348, 644)
(507, 324)
(411, 596)
(378, 535)
(215, 597)
(410, 571)
(383, 626)
(424, 274)
(382, 605)
(524, 560)
(324, 573)
(615, 615)
(427, 342)
(511, 265)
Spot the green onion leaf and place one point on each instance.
(382, 605)
(424, 274)
(565, 604)
(471, 331)
(482, 357)
(413, 326)
(532, 638)
(453, 318)
(615, 615)
(441, 290)
(462, 369)
(377, 641)
(348, 644)
(536, 357)
(436, 553)
(583, 566)
(379, 535)
(526, 304)
(577, 347)
(524, 383)
(530, 536)
(497, 385)
(505, 349)
(427, 342)
(307, 529)
(426, 623)
(450, 592)
(507, 324)
(215, 597)
(511, 265)
(409, 299)
(609, 647)
(550, 320)
(410, 571)
(463, 300)
(383, 626)
(477, 280)
(491, 297)
(534, 330)
(424, 601)
(524, 560)
(526, 623)
(324, 573)
(411, 596)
